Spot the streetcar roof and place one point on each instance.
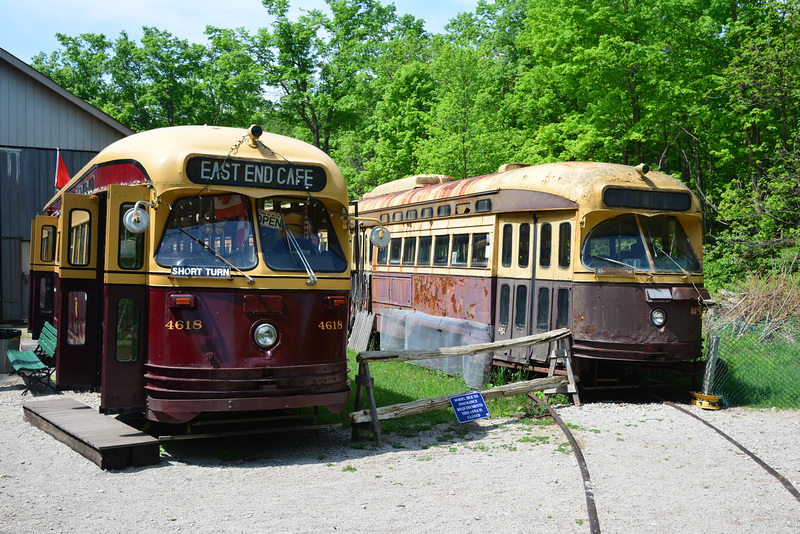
(162, 155)
(576, 183)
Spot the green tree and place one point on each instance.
(321, 64)
(80, 67)
(231, 80)
(760, 207)
(402, 90)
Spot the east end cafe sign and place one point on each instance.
(245, 173)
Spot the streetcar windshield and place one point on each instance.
(668, 245)
(298, 233)
(200, 230)
(648, 244)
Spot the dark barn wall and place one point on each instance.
(27, 183)
(37, 116)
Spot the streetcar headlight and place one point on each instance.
(659, 317)
(265, 335)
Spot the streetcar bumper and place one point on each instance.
(177, 395)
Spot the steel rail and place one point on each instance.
(588, 490)
(782, 479)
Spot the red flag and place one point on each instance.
(62, 176)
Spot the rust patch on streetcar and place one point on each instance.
(453, 296)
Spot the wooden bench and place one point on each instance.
(36, 366)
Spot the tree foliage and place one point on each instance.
(706, 90)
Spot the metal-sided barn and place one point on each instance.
(37, 116)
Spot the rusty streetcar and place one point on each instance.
(198, 270)
(612, 252)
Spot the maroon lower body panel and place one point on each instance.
(612, 321)
(178, 394)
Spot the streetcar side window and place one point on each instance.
(80, 224)
(482, 206)
(131, 246)
(460, 249)
(46, 295)
(562, 319)
(441, 246)
(48, 241)
(543, 310)
(521, 306)
(480, 250)
(545, 245)
(129, 319)
(564, 242)
(395, 248)
(76, 318)
(424, 250)
(505, 304)
(409, 250)
(524, 244)
(383, 253)
(508, 231)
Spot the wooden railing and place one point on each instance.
(370, 417)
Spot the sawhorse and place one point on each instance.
(365, 381)
(564, 357)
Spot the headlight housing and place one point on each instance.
(658, 317)
(265, 336)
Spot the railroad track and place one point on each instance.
(634, 468)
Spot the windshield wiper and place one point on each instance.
(678, 265)
(609, 260)
(312, 277)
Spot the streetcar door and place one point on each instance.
(514, 285)
(77, 302)
(125, 305)
(552, 296)
(41, 286)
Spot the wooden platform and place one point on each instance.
(105, 441)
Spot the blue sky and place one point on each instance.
(28, 27)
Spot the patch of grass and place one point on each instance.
(536, 440)
(756, 371)
(565, 448)
(400, 382)
(349, 469)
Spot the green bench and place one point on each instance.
(36, 366)
(46, 349)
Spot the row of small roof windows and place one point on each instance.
(443, 210)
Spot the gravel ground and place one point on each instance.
(653, 469)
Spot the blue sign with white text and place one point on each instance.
(469, 407)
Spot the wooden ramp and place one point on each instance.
(107, 442)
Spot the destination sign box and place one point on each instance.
(469, 407)
(246, 173)
(200, 272)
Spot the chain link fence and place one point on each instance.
(755, 365)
